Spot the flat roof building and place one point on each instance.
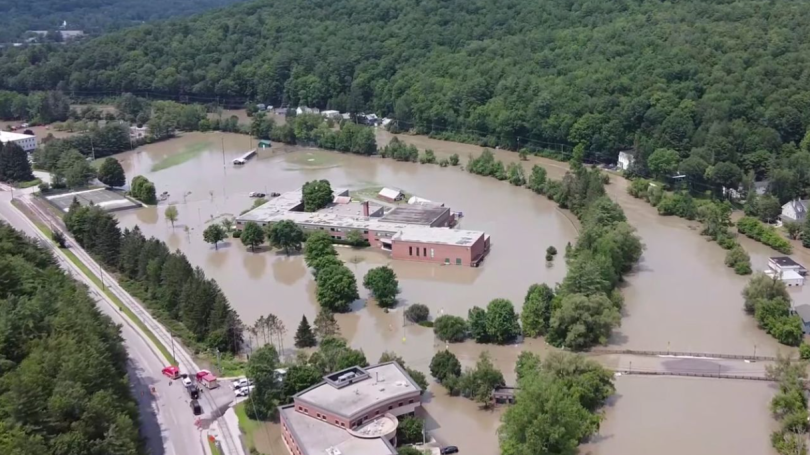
(352, 412)
(26, 141)
(413, 232)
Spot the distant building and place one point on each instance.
(410, 232)
(803, 311)
(786, 270)
(795, 210)
(138, 132)
(331, 114)
(626, 158)
(67, 35)
(390, 195)
(352, 412)
(307, 110)
(26, 141)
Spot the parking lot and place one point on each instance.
(108, 200)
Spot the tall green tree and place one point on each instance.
(111, 173)
(316, 194)
(14, 164)
(337, 288)
(502, 321)
(304, 337)
(285, 235)
(171, 214)
(536, 315)
(252, 235)
(383, 284)
(214, 234)
(444, 364)
(267, 395)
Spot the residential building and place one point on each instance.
(787, 270)
(803, 311)
(352, 412)
(27, 142)
(421, 233)
(625, 159)
(795, 210)
(390, 195)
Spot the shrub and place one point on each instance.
(44, 187)
(739, 260)
(638, 188)
(753, 228)
(549, 258)
(417, 313)
(804, 351)
(551, 250)
(237, 233)
(450, 328)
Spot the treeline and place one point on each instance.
(63, 366)
(585, 308)
(181, 296)
(313, 129)
(789, 405)
(739, 103)
(768, 301)
(714, 215)
(36, 107)
(14, 164)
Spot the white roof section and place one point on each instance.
(386, 381)
(320, 438)
(6, 136)
(390, 193)
(439, 235)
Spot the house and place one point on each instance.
(390, 195)
(795, 210)
(264, 143)
(786, 270)
(307, 110)
(803, 311)
(625, 159)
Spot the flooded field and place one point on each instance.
(681, 297)
(676, 416)
(39, 131)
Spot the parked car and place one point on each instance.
(195, 407)
(171, 371)
(194, 392)
(449, 449)
(187, 381)
(245, 391)
(241, 382)
(256, 194)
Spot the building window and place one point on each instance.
(332, 229)
(336, 421)
(377, 413)
(306, 411)
(343, 424)
(410, 251)
(424, 252)
(446, 261)
(300, 408)
(410, 401)
(431, 253)
(400, 403)
(390, 407)
(365, 232)
(319, 415)
(458, 261)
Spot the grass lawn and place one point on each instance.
(188, 153)
(28, 184)
(313, 159)
(370, 193)
(230, 367)
(95, 279)
(213, 447)
(246, 424)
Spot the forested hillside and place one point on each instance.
(63, 386)
(726, 77)
(91, 16)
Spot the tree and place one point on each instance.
(317, 246)
(355, 238)
(536, 315)
(763, 287)
(502, 321)
(514, 174)
(383, 284)
(171, 214)
(410, 430)
(477, 320)
(316, 195)
(214, 234)
(267, 395)
(14, 164)
(227, 225)
(111, 173)
(304, 338)
(252, 235)
(409, 450)
(768, 208)
(725, 174)
(537, 179)
(793, 228)
(261, 127)
(582, 321)
(337, 288)
(449, 328)
(285, 235)
(299, 377)
(454, 159)
(694, 168)
(479, 382)
(444, 364)
(335, 355)
(326, 325)
(143, 190)
(417, 313)
(663, 163)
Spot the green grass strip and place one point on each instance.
(188, 153)
(246, 424)
(213, 447)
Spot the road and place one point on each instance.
(167, 421)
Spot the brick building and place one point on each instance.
(352, 412)
(421, 233)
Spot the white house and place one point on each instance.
(26, 141)
(786, 270)
(307, 110)
(795, 210)
(625, 159)
(390, 194)
(331, 114)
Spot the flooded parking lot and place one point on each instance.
(681, 297)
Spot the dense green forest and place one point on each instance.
(91, 16)
(724, 77)
(63, 386)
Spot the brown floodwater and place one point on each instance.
(681, 297)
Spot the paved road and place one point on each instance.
(167, 421)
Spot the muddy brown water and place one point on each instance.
(681, 297)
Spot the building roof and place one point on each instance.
(415, 214)
(385, 381)
(443, 236)
(390, 193)
(784, 261)
(803, 311)
(6, 136)
(799, 206)
(316, 437)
